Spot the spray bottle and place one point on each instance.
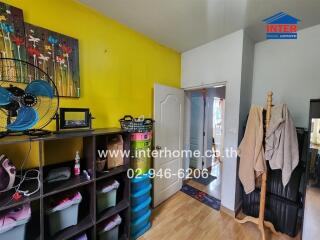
(77, 164)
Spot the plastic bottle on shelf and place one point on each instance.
(77, 164)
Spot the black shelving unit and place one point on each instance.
(89, 220)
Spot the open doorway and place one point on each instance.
(206, 136)
(312, 206)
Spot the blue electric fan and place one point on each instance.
(28, 98)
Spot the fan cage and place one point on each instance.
(19, 73)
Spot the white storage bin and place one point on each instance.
(64, 215)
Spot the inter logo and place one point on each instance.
(281, 26)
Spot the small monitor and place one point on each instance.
(74, 118)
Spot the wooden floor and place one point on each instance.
(312, 214)
(214, 188)
(184, 218)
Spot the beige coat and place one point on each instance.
(282, 142)
(251, 152)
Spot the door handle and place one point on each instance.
(158, 147)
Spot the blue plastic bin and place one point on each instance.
(140, 210)
(140, 182)
(140, 223)
(141, 196)
(141, 232)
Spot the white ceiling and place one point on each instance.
(185, 24)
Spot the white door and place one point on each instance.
(168, 116)
(196, 129)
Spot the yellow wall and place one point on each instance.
(118, 66)
(26, 155)
(23, 155)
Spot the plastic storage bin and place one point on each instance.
(140, 182)
(145, 144)
(112, 234)
(111, 229)
(64, 214)
(16, 233)
(140, 223)
(141, 209)
(141, 136)
(141, 232)
(141, 165)
(14, 223)
(107, 196)
(141, 196)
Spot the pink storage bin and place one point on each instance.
(141, 136)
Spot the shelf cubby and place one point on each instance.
(122, 205)
(31, 232)
(112, 172)
(85, 214)
(89, 233)
(123, 227)
(122, 202)
(71, 232)
(101, 145)
(7, 201)
(25, 156)
(58, 150)
(73, 181)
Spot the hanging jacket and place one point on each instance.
(251, 151)
(282, 150)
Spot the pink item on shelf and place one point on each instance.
(20, 213)
(6, 224)
(141, 136)
(77, 164)
(67, 202)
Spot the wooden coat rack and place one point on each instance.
(260, 220)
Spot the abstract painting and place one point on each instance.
(57, 55)
(12, 40)
(52, 52)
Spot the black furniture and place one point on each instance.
(61, 148)
(283, 205)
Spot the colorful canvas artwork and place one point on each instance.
(52, 52)
(12, 40)
(57, 55)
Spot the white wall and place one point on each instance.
(291, 69)
(216, 62)
(245, 98)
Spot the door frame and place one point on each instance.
(187, 118)
(307, 155)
